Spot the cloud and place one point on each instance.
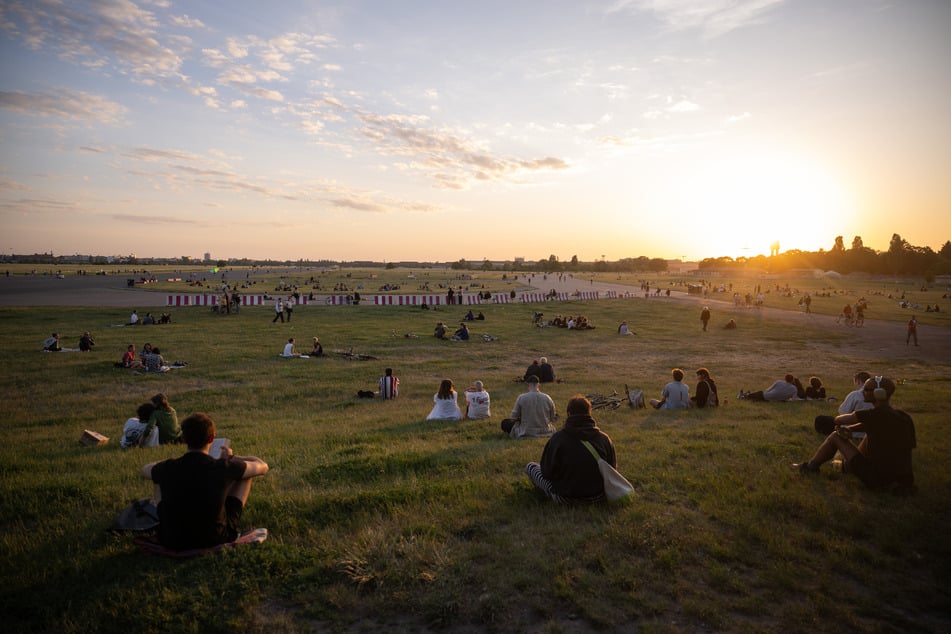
(63, 103)
(95, 34)
(451, 158)
(713, 17)
(152, 219)
(186, 22)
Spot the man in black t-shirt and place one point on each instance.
(200, 499)
(883, 457)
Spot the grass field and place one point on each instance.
(379, 519)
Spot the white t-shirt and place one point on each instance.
(445, 408)
(477, 404)
(288, 350)
(854, 402)
(132, 432)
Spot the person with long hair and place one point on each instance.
(166, 419)
(445, 405)
(706, 393)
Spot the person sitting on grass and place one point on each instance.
(318, 350)
(462, 334)
(166, 419)
(389, 385)
(567, 472)
(86, 342)
(289, 349)
(477, 401)
(706, 393)
(51, 344)
(854, 401)
(883, 457)
(816, 391)
(533, 414)
(154, 361)
(129, 359)
(781, 390)
(133, 428)
(200, 499)
(445, 405)
(676, 394)
(623, 329)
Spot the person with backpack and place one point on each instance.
(706, 392)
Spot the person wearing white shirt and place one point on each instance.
(289, 350)
(853, 402)
(477, 401)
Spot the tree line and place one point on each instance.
(901, 258)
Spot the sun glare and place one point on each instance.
(762, 200)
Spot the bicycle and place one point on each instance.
(600, 401)
(354, 356)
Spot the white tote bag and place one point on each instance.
(616, 486)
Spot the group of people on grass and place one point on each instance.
(52, 344)
(460, 334)
(788, 388)
(676, 393)
(150, 359)
(290, 349)
(200, 499)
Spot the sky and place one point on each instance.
(447, 130)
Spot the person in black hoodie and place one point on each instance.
(568, 473)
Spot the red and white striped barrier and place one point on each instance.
(210, 299)
(191, 300)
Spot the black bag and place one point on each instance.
(139, 517)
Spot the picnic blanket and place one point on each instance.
(151, 546)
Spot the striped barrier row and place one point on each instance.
(210, 299)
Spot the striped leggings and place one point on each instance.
(534, 472)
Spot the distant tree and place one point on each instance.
(486, 265)
(945, 251)
(390, 266)
(460, 265)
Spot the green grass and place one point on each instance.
(380, 519)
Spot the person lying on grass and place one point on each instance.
(200, 499)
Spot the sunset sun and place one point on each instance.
(759, 200)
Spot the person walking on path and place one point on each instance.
(705, 317)
(912, 330)
(278, 311)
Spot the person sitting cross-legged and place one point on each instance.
(676, 394)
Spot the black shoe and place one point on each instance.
(803, 467)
